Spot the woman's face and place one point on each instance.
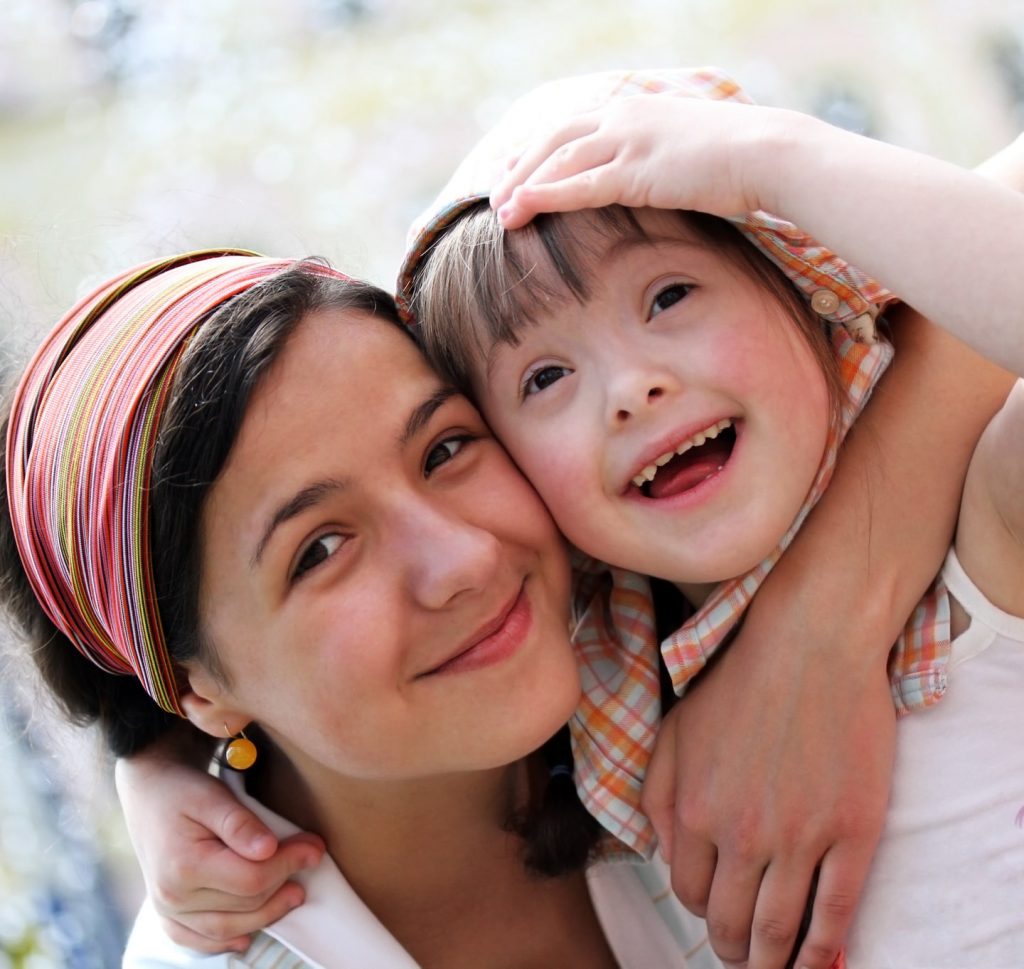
(386, 594)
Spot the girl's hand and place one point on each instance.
(664, 151)
(213, 870)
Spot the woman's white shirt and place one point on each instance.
(643, 922)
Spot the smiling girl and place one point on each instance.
(672, 408)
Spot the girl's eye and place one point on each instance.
(669, 296)
(318, 551)
(444, 451)
(543, 378)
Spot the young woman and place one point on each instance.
(236, 493)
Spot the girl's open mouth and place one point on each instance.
(680, 472)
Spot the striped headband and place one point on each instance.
(80, 443)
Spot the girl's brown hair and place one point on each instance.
(478, 285)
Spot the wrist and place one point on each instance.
(850, 612)
(776, 157)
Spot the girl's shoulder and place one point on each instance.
(990, 529)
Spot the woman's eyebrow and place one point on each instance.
(424, 411)
(315, 493)
(306, 498)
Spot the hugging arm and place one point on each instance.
(213, 871)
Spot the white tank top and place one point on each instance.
(946, 888)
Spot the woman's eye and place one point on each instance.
(316, 552)
(444, 451)
(669, 296)
(543, 378)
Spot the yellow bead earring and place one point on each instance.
(240, 752)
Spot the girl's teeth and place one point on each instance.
(699, 438)
(646, 475)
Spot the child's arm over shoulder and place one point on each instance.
(947, 240)
(213, 871)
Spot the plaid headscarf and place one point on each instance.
(615, 637)
(80, 442)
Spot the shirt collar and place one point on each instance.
(333, 929)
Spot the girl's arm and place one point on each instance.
(190, 834)
(947, 240)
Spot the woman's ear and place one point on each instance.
(209, 705)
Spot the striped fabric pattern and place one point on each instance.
(614, 728)
(80, 449)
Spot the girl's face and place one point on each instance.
(674, 422)
(385, 592)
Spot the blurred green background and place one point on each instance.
(131, 128)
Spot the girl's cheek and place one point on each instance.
(560, 479)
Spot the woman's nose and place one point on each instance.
(446, 555)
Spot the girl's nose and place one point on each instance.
(446, 556)
(633, 392)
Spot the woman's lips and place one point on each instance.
(495, 641)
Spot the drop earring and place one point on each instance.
(240, 752)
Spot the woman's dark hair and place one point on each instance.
(224, 363)
(226, 358)
(560, 834)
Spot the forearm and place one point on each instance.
(892, 504)
(944, 239)
(183, 746)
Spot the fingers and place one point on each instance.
(658, 797)
(731, 907)
(781, 903)
(235, 825)
(243, 884)
(540, 150)
(693, 870)
(219, 881)
(840, 883)
(184, 936)
(591, 189)
(224, 931)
